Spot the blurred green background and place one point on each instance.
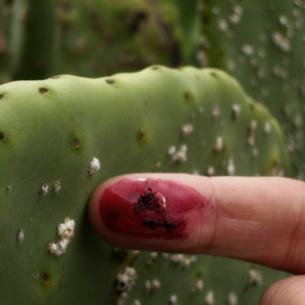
(260, 42)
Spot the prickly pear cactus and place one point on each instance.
(61, 137)
(262, 44)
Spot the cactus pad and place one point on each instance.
(61, 137)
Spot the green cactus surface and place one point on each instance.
(61, 137)
(261, 43)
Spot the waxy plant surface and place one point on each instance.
(61, 137)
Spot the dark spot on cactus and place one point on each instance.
(141, 138)
(43, 90)
(205, 20)
(187, 96)
(120, 254)
(155, 67)
(252, 106)
(199, 274)
(149, 200)
(44, 278)
(152, 224)
(170, 226)
(75, 143)
(1, 96)
(214, 74)
(3, 138)
(55, 77)
(110, 81)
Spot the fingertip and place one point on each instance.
(94, 209)
(146, 212)
(286, 291)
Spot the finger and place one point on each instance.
(256, 219)
(287, 291)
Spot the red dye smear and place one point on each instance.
(151, 208)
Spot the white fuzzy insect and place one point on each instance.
(186, 130)
(66, 229)
(65, 232)
(20, 236)
(94, 166)
(56, 187)
(126, 279)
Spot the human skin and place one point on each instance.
(260, 220)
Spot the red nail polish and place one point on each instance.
(150, 208)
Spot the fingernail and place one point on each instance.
(150, 208)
